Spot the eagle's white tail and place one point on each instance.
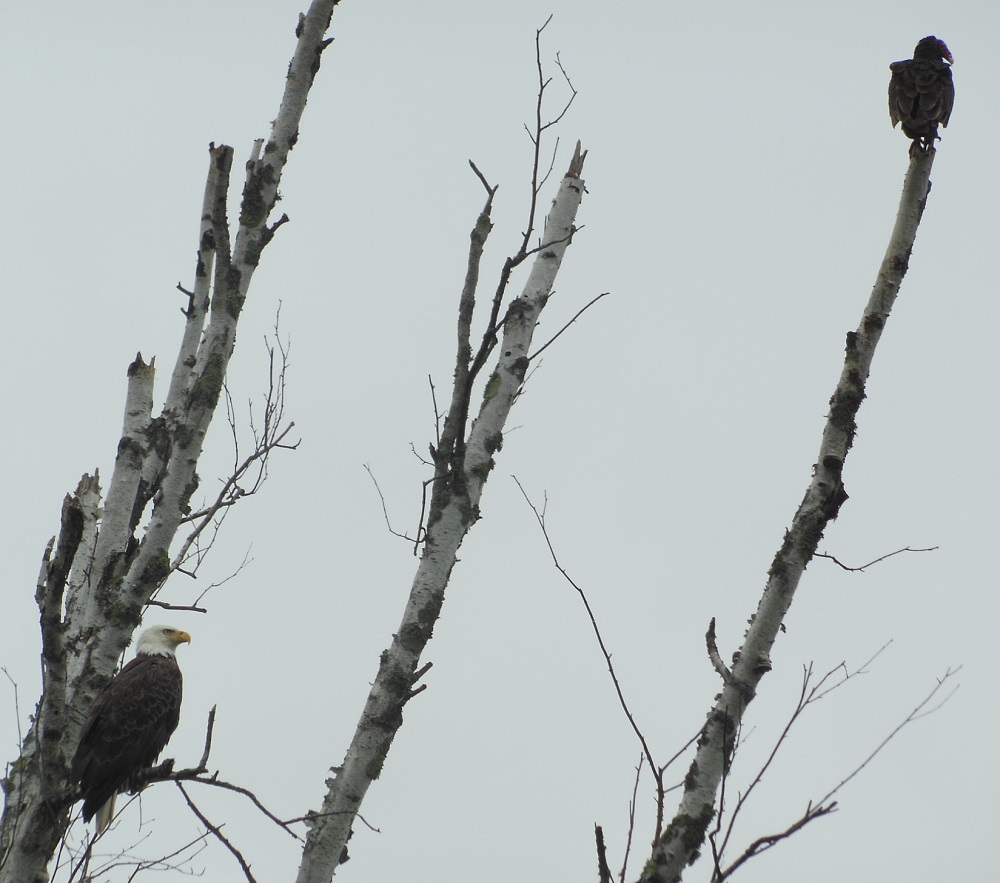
(105, 814)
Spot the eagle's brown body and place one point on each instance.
(129, 725)
(921, 93)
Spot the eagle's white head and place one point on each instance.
(160, 640)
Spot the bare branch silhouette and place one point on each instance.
(250, 472)
(876, 561)
(631, 822)
(216, 831)
(657, 770)
(579, 313)
(809, 694)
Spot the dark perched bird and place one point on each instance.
(130, 723)
(921, 93)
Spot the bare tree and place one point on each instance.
(100, 572)
(109, 562)
(463, 460)
(681, 842)
(98, 575)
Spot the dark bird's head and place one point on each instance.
(933, 49)
(160, 640)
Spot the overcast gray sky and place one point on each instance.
(743, 180)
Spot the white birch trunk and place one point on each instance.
(452, 515)
(679, 845)
(99, 575)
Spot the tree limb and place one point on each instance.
(462, 463)
(680, 843)
(92, 601)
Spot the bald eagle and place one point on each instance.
(130, 723)
(922, 94)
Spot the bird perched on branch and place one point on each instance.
(921, 93)
(130, 723)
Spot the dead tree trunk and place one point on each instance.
(100, 573)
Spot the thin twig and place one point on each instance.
(536, 137)
(312, 814)
(246, 560)
(437, 413)
(579, 313)
(216, 782)
(540, 518)
(809, 693)
(190, 608)
(165, 772)
(20, 767)
(490, 190)
(385, 511)
(916, 714)
(209, 729)
(572, 96)
(876, 561)
(762, 844)
(269, 437)
(825, 805)
(631, 821)
(217, 831)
